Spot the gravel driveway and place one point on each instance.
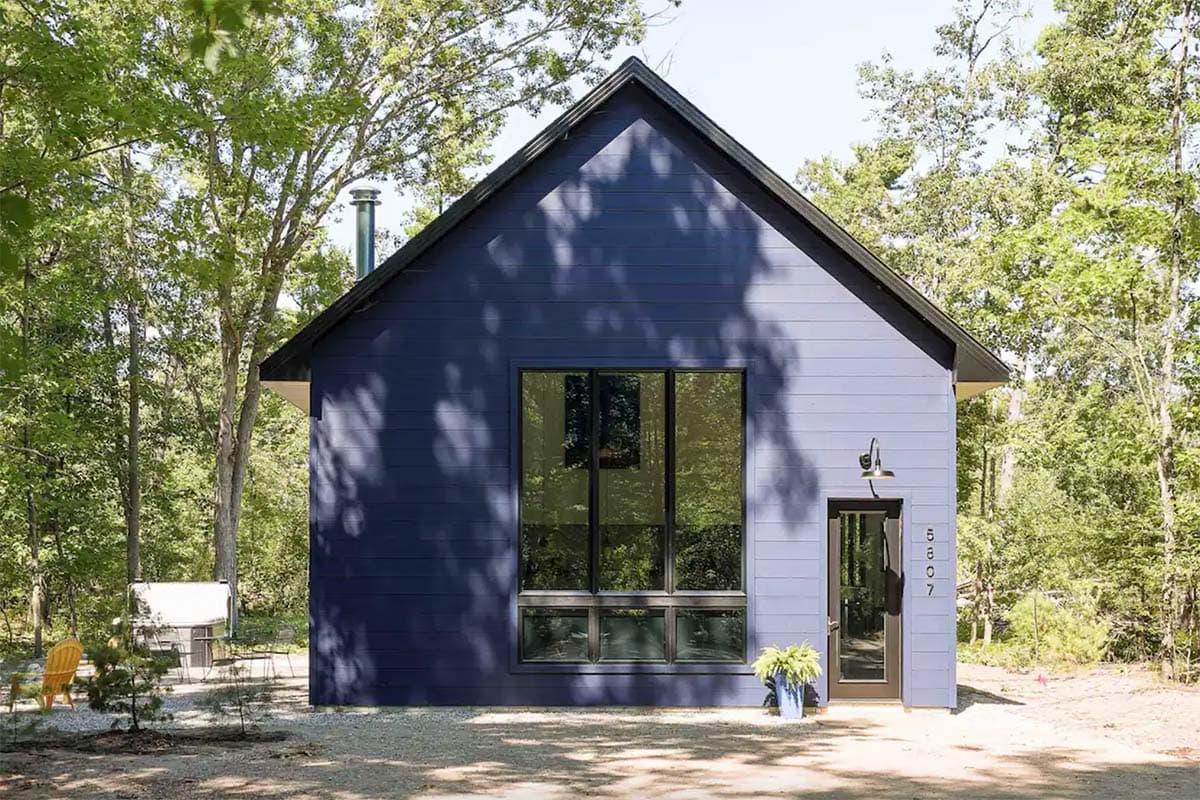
(1012, 737)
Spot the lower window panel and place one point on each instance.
(554, 634)
(710, 634)
(624, 635)
(633, 634)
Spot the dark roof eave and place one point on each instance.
(973, 361)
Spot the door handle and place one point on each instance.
(834, 625)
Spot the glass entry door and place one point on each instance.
(866, 589)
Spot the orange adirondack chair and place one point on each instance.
(61, 663)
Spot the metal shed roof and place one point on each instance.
(976, 368)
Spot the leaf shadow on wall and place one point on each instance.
(630, 242)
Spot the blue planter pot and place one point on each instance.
(790, 698)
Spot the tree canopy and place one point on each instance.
(167, 168)
(1047, 199)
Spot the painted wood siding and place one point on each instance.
(628, 243)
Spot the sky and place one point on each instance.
(780, 76)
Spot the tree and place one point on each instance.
(1116, 81)
(949, 205)
(385, 91)
(127, 680)
(1050, 205)
(145, 245)
(66, 70)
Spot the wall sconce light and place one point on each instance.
(873, 468)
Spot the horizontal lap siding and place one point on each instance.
(630, 242)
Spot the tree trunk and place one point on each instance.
(120, 455)
(73, 618)
(991, 510)
(38, 610)
(233, 460)
(54, 524)
(1165, 457)
(226, 516)
(235, 426)
(1008, 456)
(977, 602)
(133, 480)
(983, 478)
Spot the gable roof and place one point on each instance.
(976, 368)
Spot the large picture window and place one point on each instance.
(631, 508)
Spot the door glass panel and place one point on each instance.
(554, 480)
(632, 477)
(708, 481)
(862, 641)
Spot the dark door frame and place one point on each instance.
(890, 688)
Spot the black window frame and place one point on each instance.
(668, 598)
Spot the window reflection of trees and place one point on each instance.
(554, 496)
(632, 491)
(633, 634)
(708, 481)
(634, 443)
(555, 634)
(710, 635)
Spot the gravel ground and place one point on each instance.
(1105, 734)
(180, 700)
(1118, 703)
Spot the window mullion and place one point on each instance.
(669, 485)
(669, 622)
(594, 514)
(594, 483)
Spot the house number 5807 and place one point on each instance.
(929, 570)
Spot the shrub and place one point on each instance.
(1005, 654)
(127, 681)
(1070, 631)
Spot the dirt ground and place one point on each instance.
(1105, 734)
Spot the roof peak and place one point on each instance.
(974, 363)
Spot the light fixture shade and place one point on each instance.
(873, 467)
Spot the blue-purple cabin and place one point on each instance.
(594, 437)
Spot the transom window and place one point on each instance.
(632, 516)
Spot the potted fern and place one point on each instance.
(789, 670)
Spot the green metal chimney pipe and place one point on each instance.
(365, 198)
